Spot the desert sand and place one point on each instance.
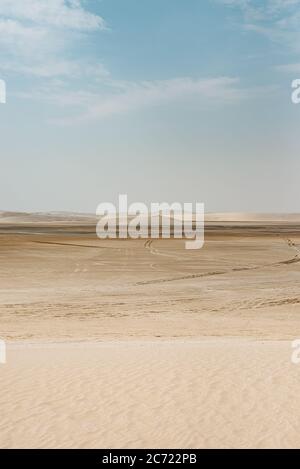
(212, 393)
(141, 343)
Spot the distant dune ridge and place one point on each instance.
(46, 217)
(252, 217)
(89, 218)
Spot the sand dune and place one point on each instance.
(89, 218)
(253, 217)
(212, 393)
(66, 284)
(141, 343)
(19, 218)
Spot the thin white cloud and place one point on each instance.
(152, 93)
(57, 68)
(37, 35)
(126, 97)
(123, 97)
(37, 39)
(278, 20)
(12, 31)
(53, 13)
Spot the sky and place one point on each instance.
(163, 100)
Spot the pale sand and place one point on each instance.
(217, 393)
(70, 286)
(182, 348)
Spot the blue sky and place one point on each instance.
(168, 100)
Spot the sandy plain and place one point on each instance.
(141, 343)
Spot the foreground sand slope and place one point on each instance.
(217, 393)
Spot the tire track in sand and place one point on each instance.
(293, 260)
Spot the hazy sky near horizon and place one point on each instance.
(165, 100)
